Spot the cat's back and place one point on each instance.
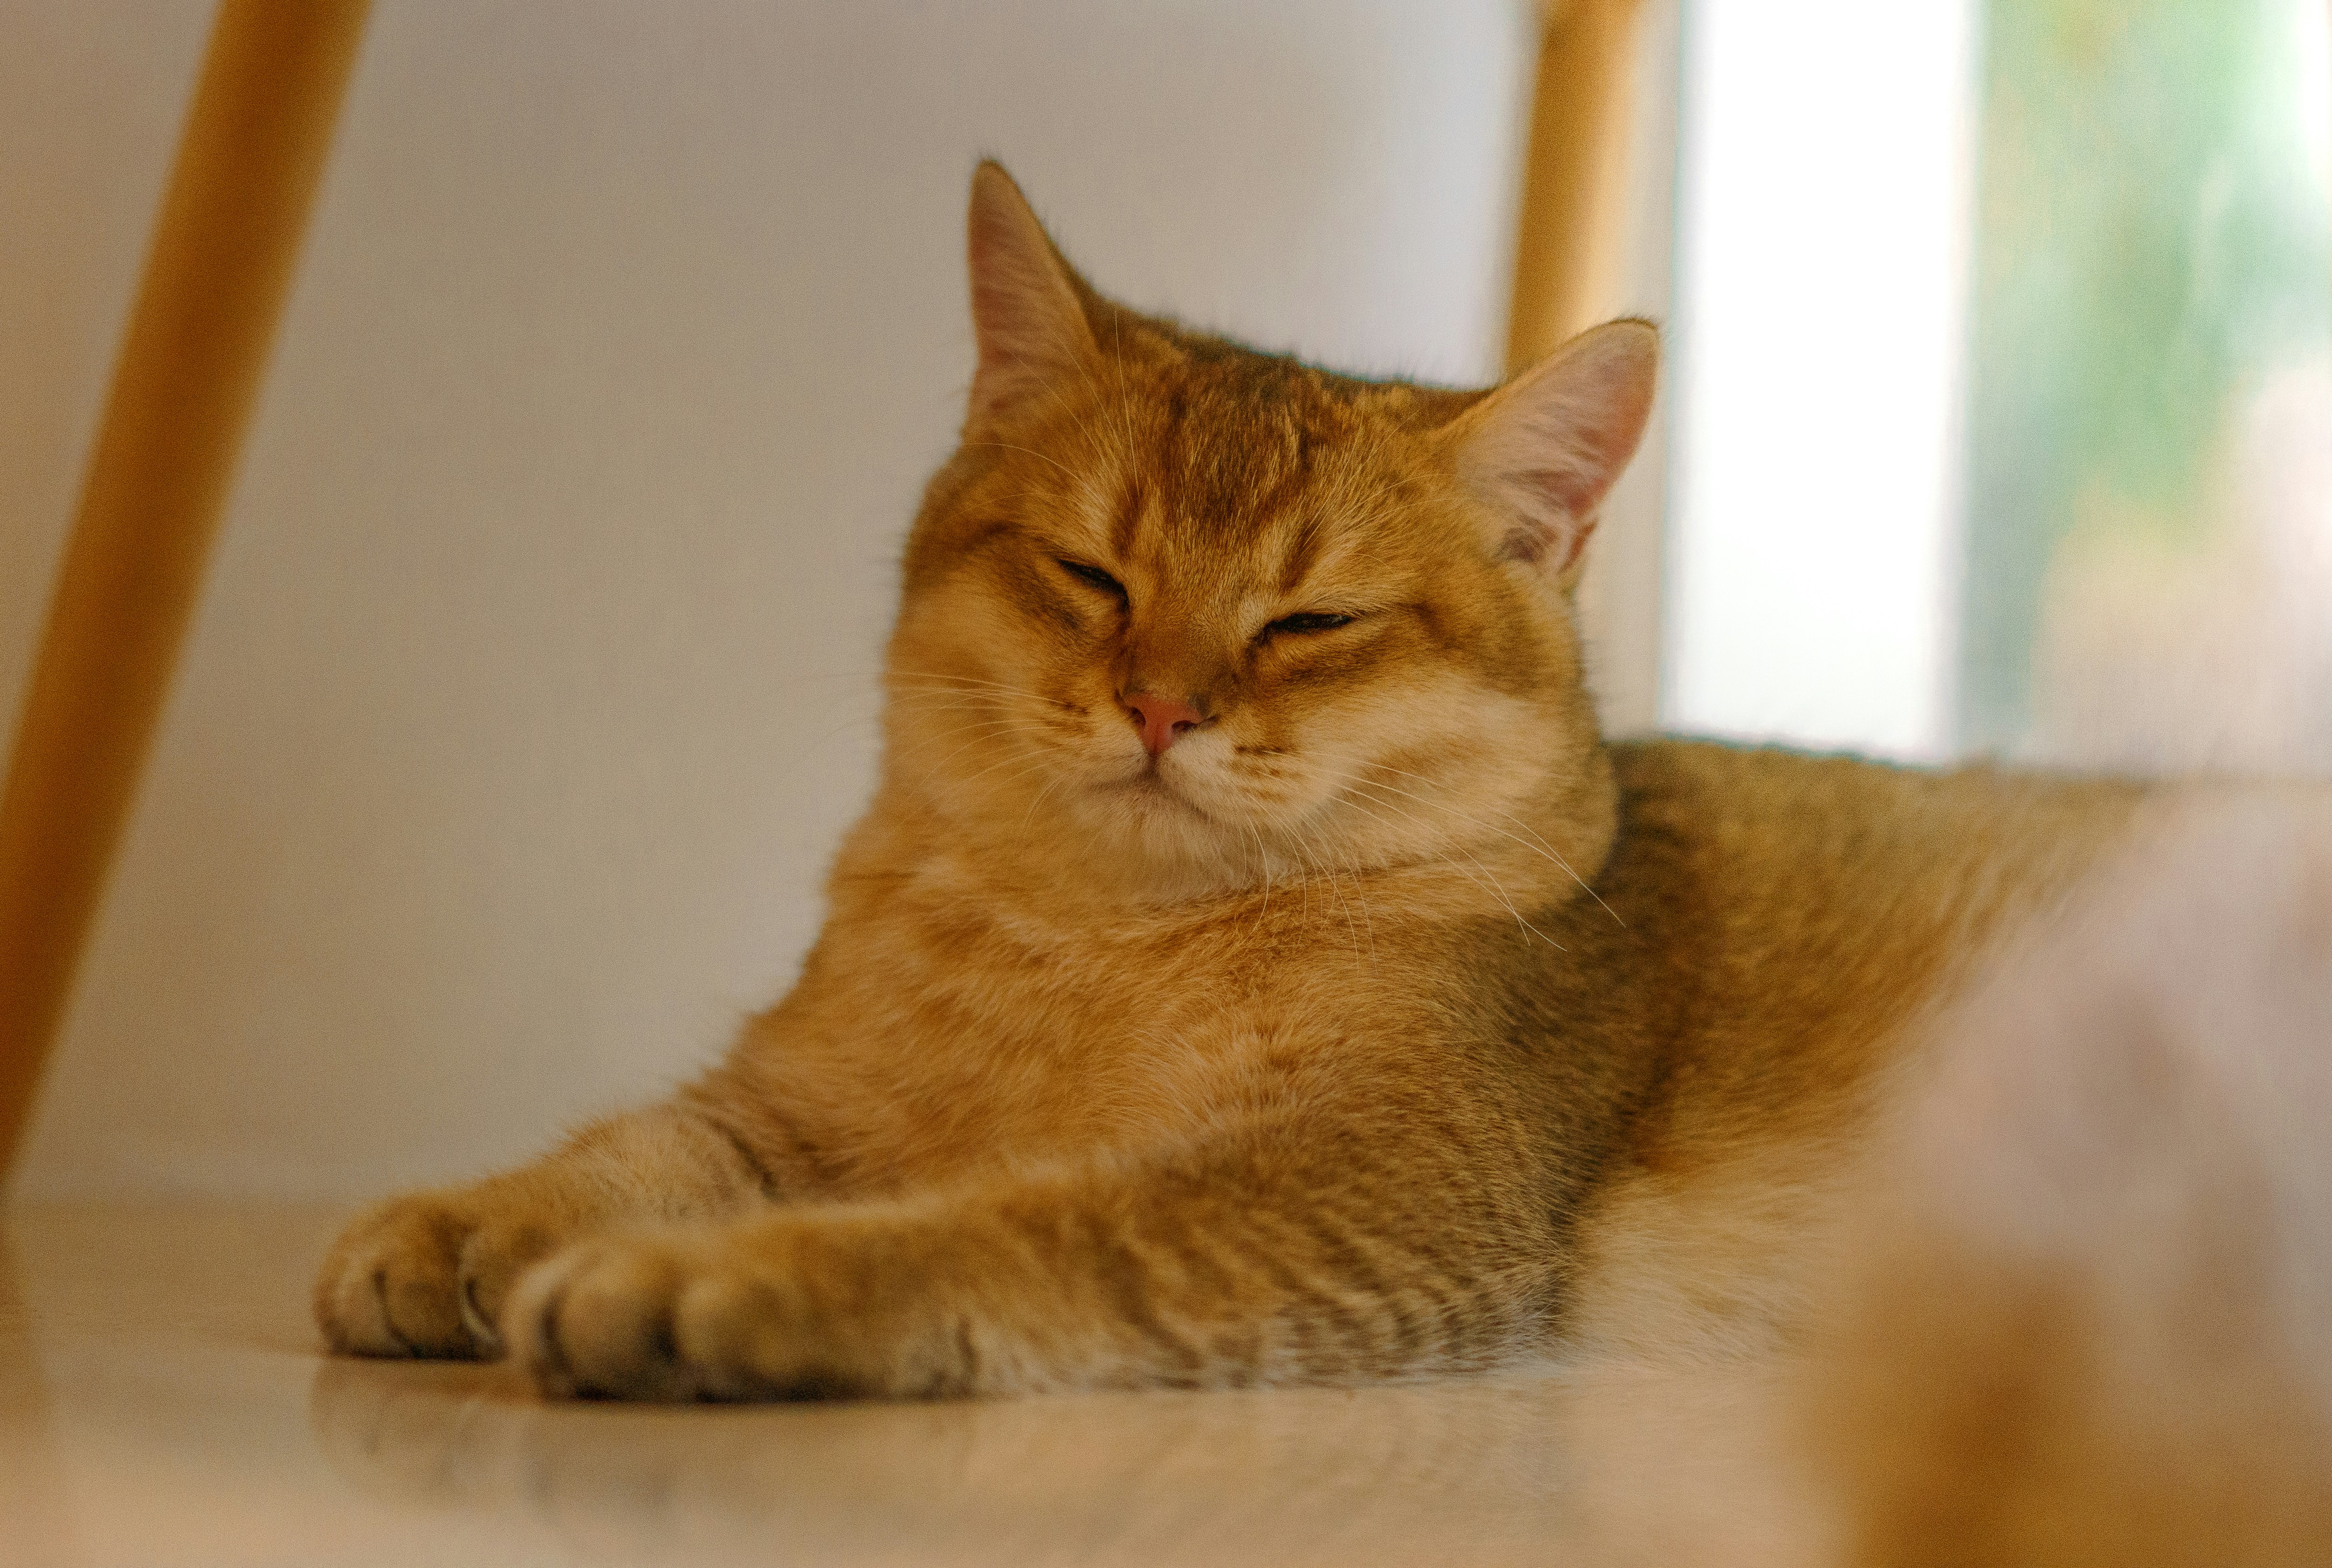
(1879, 873)
(1816, 907)
(1833, 897)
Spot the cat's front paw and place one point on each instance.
(425, 1274)
(718, 1313)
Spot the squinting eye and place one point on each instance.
(1309, 621)
(1096, 577)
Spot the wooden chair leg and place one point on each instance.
(1592, 244)
(224, 251)
(1574, 212)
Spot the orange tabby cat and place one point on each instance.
(1254, 967)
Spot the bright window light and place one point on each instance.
(1823, 232)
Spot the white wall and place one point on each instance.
(1824, 191)
(533, 683)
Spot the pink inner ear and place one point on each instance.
(1550, 549)
(1554, 518)
(1550, 445)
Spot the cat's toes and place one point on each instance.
(389, 1285)
(597, 1321)
(493, 1258)
(424, 1275)
(653, 1318)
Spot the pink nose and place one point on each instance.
(1163, 720)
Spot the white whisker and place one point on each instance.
(1541, 847)
(1486, 880)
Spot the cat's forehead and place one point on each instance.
(1250, 463)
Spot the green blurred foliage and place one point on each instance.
(2151, 238)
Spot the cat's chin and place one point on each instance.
(1145, 839)
(1160, 822)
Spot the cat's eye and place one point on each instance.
(1308, 622)
(1096, 577)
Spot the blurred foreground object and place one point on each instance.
(2085, 1296)
(223, 251)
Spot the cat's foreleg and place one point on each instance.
(1239, 1267)
(426, 1273)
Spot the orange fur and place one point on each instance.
(1387, 1022)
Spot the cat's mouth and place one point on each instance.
(1149, 790)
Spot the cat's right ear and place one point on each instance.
(1025, 311)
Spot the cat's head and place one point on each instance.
(1181, 617)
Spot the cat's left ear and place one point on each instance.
(1544, 449)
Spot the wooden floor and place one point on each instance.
(164, 1401)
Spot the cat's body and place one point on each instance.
(1642, 1068)
(1215, 992)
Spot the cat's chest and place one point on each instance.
(933, 1054)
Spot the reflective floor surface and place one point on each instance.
(164, 1401)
